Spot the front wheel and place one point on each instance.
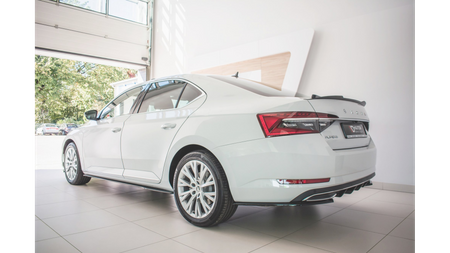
(201, 190)
(72, 167)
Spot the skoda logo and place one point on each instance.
(356, 112)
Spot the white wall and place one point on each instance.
(371, 57)
(296, 43)
(362, 49)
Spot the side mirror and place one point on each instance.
(91, 115)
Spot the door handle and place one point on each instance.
(116, 130)
(168, 126)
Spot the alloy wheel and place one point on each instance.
(71, 163)
(196, 189)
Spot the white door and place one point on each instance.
(101, 139)
(101, 145)
(147, 135)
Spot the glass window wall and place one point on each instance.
(132, 10)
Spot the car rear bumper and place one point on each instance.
(50, 132)
(320, 195)
(254, 167)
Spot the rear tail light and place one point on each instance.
(286, 123)
(303, 181)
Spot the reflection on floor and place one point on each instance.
(105, 216)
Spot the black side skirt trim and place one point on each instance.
(122, 182)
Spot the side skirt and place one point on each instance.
(122, 182)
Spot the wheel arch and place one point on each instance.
(64, 146)
(180, 154)
(66, 142)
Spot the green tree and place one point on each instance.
(65, 89)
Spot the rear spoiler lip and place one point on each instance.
(339, 97)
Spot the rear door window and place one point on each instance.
(163, 96)
(190, 93)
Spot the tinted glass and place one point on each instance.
(122, 104)
(189, 94)
(252, 86)
(163, 97)
(146, 87)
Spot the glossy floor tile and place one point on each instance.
(105, 216)
(336, 238)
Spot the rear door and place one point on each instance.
(148, 134)
(350, 130)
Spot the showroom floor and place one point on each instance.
(105, 216)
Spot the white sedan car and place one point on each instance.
(217, 142)
(47, 128)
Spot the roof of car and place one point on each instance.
(211, 84)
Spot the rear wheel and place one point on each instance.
(72, 167)
(201, 190)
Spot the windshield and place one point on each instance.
(252, 86)
(50, 125)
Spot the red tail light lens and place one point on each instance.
(286, 123)
(303, 181)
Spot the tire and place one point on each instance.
(201, 190)
(72, 168)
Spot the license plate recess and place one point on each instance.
(354, 130)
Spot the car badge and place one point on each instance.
(345, 111)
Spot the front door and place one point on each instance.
(101, 145)
(102, 138)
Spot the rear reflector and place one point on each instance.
(303, 181)
(286, 123)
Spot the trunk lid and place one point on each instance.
(348, 131)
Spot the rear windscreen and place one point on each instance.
(252, 86)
